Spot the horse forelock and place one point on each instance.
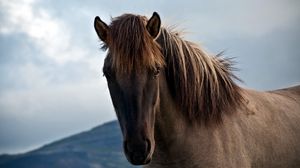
(130, 45)
(203, 85)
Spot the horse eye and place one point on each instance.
(156, 72)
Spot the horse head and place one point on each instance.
(132, 67)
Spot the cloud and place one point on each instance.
(50, 34)
(211, 20)
(50, 84)
(52, 52)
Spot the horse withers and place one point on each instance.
(179, 107)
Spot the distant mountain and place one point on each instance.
(101, 147)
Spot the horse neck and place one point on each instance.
(171, 129)
(179, 142)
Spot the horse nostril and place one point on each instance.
(144, 147)
(137, 152)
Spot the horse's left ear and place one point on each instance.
(153, 25)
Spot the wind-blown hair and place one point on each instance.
(203, 85)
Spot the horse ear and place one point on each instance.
(153, 25)
(101, 29)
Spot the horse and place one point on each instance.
(179, 106)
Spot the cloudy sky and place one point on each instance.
(51, 81)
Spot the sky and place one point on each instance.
(51, 83)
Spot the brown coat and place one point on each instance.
(263, 133)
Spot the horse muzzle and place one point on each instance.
(138, 152)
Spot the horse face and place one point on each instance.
(135, 99)
(135, 95)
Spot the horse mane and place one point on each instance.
(202, 85)
(131, 45)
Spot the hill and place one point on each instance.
(101, 147)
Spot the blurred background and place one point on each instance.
(51, 83)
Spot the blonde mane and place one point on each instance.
(203, 85)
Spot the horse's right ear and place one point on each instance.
(101, 29)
